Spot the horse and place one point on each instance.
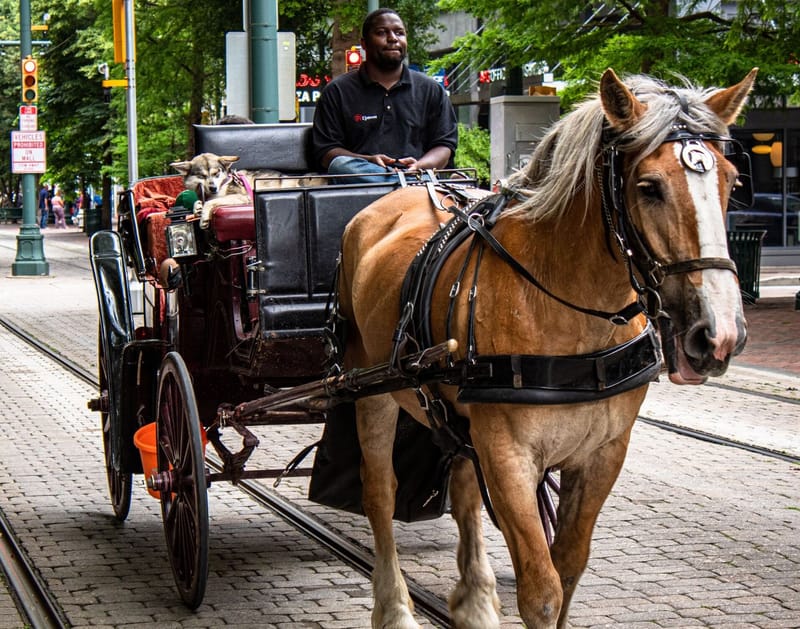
(617, 220)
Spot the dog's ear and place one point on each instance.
(182, 167)
(228, 160)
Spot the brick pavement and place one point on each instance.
(773, 335)
(707, 537)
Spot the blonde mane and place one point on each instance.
(564, 164)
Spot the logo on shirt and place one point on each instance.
(365, 117)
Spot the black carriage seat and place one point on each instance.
(299, 233)
(297, 230)
(281, 147)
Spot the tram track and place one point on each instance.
(351, 552)
(30, 592)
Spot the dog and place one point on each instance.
(212, 177)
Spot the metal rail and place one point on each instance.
(30, 592)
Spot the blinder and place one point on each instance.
(696, 157)
(742, 195)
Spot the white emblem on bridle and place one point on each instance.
(696, 156)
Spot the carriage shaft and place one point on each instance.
(327, 392)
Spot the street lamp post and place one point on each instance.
(30, 258)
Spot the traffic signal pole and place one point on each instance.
(30, 258)
(264, 103)
(130, 94)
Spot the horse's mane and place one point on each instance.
(564, 164)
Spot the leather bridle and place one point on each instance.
(621, 229)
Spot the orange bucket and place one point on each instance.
(145, 440)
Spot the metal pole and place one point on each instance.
(30, 258)
(264, 60)
(130, 94)
(372, 5)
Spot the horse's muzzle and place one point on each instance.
(709, 353)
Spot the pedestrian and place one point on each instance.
(58, 210)
(384, 116)
(44, 205)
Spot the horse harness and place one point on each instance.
(535, 379)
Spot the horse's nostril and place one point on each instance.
(697, 342)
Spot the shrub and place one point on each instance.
(474, 151)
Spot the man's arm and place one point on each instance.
(380, 159)
(437, 157)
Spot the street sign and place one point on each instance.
(28, 151)
(28, 118)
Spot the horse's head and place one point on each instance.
(673, 187)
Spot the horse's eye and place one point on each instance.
(650, 190)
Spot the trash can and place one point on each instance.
(91, 220)
(745, 250)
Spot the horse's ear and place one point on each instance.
(621, 107)
(728, 103)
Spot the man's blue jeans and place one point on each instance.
(361, 168)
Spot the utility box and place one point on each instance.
(516, 124)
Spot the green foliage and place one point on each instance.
(473, 151)
(72, 110)
(180, 68)
(9, 95)
(648, 36)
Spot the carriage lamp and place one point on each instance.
(181, 240)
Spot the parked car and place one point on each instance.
(767, 213)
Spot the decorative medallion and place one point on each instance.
(696, 156)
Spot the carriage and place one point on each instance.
(229, 312)
(470, 313)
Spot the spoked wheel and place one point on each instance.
(181, 480)
(120, 484)
(547, 500)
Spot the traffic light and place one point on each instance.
(30, 80)
(352, 58)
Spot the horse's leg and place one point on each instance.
(474, 601)
(511, 477)
(582, 494)
(377, 419)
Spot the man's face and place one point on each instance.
(386, 44)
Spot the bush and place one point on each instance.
(474, 151)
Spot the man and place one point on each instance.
(384, 116)
(44, 205)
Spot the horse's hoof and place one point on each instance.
(397, 618)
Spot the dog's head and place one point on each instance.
(206, 174)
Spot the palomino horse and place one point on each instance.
(623, 203)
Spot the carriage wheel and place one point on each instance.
(120, 484)
(182, 480)
(547, 499)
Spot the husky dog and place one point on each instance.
(212, 178)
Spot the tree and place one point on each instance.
(73, 112)
(651, 36)
(9, 96)
(180, 77)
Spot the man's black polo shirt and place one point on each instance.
(361, 116)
